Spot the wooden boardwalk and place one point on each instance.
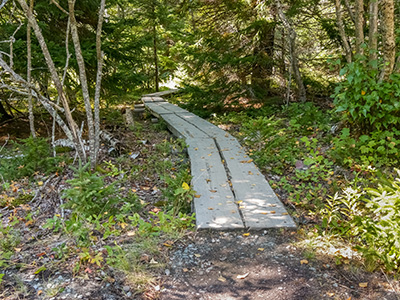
(231, 191)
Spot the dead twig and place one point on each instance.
(391, 285)
(5, 143)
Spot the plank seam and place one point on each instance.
(228, 175)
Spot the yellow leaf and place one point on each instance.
(242, 276)
(304, 261)
(185, 270)
(330, 294)
(185, 186)
(363, 284)
(250, 173)
(246, 234)
(363, 93)
(167, 245)
(196, 149)
(222, 279)
(39, 292)
(197, 196)
(213, 191)
(40, 183)
(238, 202)
(17, 249)
(272, 212)
(260, 249)
(284, 214)
(210, 208)
(197, 255)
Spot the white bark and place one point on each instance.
(100, 56)
(83, 79)
(54, 77)
(28, 75)
(343, 36)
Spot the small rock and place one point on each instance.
(167, 272)
(335, 285)
(157, 288)
(128, 294)
(126, 288)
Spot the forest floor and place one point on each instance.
(267, 264)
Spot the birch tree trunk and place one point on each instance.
(388, 38)
(100, 56)
(56, 80)
(359, 25)
(28, 75)
(373, 30)
(293, 53)
(343, 36)
(83, 79)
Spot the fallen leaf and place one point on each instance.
(167, 245)
(285, 214)
(242, 207)
(17, 249)
(363, 284)
(238, 202)
(185, 270)
(213, 191)
(153, 262)
(185, 186)
(196, 148)
(260, 249)
(246, 234)
(243, 276)
(222, 279)
(304, 261)
(264, 213)
(251, 173)
(197, 196)
(330, 294)
(210, 208)
(229, 197)
(272, 212)
(249, 161)
(40, 183)
(39, 292)
(197, 255)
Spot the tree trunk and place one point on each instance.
(83, 79)
(156, 79)
(373, 30)
(293, 53)
(53, 72)
(388, 37)
(359, 26)
(28, 75)
(263, 53)
(100, 56)
(343, 36)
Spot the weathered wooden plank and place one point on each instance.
(214, 203)
(163, 93)
(258, 203)
(147, 99)
(182, 129)
(210, 129)
(158, 99)
(156, 109)
(172, 108)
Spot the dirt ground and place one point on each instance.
(263, 265)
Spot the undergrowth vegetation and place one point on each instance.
(335, 180)
(122, 215)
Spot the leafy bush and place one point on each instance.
(372, 218)
(378, 148)
(367, 102)
(28, 157)
(89, 194)
(271, 143)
